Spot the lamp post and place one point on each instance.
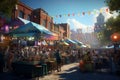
(115, 37)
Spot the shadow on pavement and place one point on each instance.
(11, 76)
(71, 74)
(76, 74)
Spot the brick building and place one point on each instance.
(59, 31)
(41, 17)
(66, 28)
(23, 11)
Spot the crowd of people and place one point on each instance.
(35, 53)
(98, 58)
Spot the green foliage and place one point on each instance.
(114, 5)
(6, 7)
(104, 36)
(112, 26)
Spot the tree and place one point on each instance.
(112, 26)
(6, 7)
(114, 5)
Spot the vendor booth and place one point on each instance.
(30, 27)
(33, 32)
(72, 44)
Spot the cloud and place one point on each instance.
(74, 25)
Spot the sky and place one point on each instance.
(82, 13)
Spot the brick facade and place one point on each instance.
(66, 28)
(20, 7)
(41, 17)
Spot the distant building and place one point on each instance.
(100, 23)
(73, 34)
(59, 31)
(79, 34)
(79, 30)
(99, 26)
(66, 28)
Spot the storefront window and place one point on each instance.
(21, 14)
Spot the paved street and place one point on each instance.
(72, 72)
(69, 72)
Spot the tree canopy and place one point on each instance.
(114, 5)
(6, 7)
(112, 24)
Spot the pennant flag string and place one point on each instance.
(82, 13)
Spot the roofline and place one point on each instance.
(23, 4)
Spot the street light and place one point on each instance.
(115, 37)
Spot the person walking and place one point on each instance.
(58, 60)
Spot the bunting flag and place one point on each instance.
(107, 10)
(65, 15)
(68, 14)
(78, 14)
(94, 12)
(60, 16)
(101, 10)
(73, 14)
(83, 13)
(89, 12)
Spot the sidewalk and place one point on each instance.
(72, 72)
(69, 72)
(55, 75)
